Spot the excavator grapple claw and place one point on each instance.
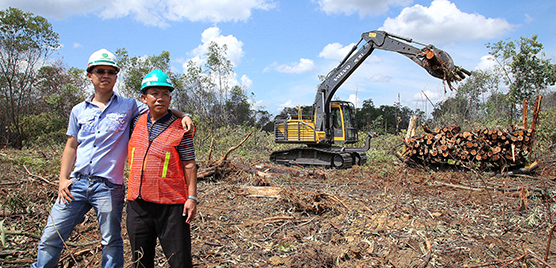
(440, 65)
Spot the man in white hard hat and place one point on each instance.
(98, 136)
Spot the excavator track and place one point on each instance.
(328, 157)
(331, 157)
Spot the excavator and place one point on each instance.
(333, 121)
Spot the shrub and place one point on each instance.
(545, 136)
(43, 129)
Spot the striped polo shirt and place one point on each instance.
(185, 149)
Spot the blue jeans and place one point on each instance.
(107, 199)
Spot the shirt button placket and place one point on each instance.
(98, 118)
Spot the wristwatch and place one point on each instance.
(186, 114)
(193, 198)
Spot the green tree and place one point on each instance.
(209, 91)
(238, 108)
(219, 67)
(203, 90)
(59, 89)
(477, 100)
(220, 70)
(263, 120)
(133, 69)
(384, 119)
(56, 91)
(366, 115)
(197, 95)
(26, 41)
(293, 112)
(527, 70)
(474, 89)
(451, 111)
(496, 109)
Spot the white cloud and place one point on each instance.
(363, 7)
(443, 22)
(304, 65)
(355, 100)
(528, 18)
(380, 78)
(284, 105)
(75, 45)
(214, 34)
(246, 82)
(434, 97)
(335, 51)
(57, 9)
(234, 54)
(255, 105)
(270, 67)
(487, 62)
(149, 12)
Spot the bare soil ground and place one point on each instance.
(378, 215)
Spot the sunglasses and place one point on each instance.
(103, 71)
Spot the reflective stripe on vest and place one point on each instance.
(131, 156)
(166, 161)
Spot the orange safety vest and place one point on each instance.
(156, 171)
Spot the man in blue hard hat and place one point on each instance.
(162, 192)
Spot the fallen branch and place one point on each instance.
(78, 253)
(213, 244)
(221, 166)
(279, 228)
(14, 253)
(515, 259)
(499, 262)
(482, 188)
(539, 258)
(225, 157)
(461, 187)
(278, 218)
(548, 243)
(210, 150)
(427, 256)
(38, 237)
(45, 180)
(336, 199)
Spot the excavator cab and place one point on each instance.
(343, 122)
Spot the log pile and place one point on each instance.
(495, 149)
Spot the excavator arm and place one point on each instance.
(435, 61)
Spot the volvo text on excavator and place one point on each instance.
(333, 122)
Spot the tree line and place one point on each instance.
(37, 94)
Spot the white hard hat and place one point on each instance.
(102, 57)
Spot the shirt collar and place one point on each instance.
(90, 98)
(161, 120)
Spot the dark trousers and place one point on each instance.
(146, 221)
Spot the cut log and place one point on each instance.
(258, 191)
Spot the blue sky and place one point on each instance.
(279, 48)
